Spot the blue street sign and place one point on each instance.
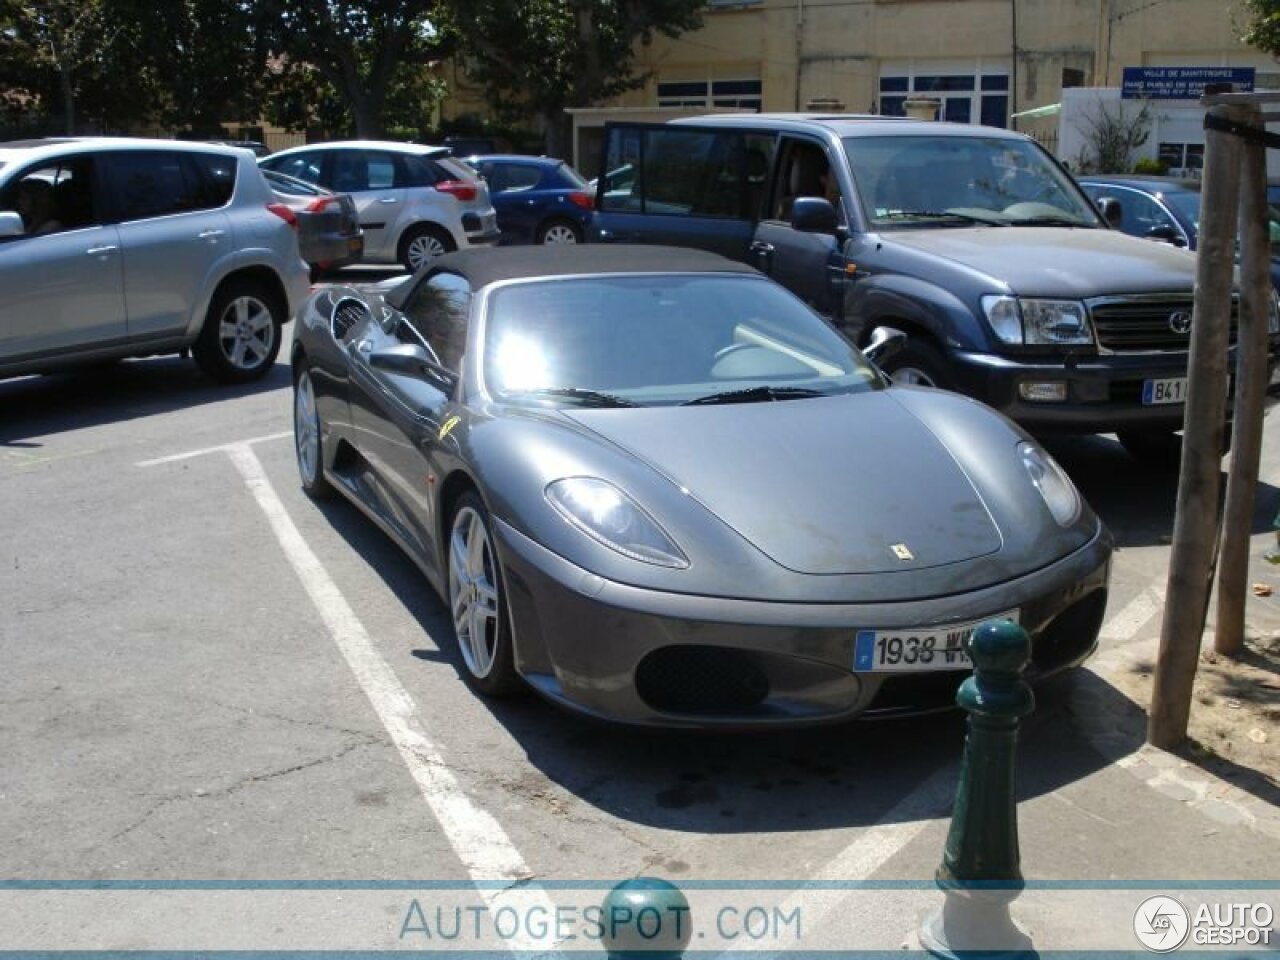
(1181, 83)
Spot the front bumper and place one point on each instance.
(664, 659)
(1104, 393)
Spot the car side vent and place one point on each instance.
(348, 312)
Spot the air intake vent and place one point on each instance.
(348, 312)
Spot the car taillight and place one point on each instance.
(458, 188)
(584, 200)
(320, 203)
(284, 213)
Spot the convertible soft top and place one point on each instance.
(485, 266)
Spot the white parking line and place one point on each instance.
(476, 837)
(1131, 618)
(220, 448)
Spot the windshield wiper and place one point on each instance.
(947, 214)
(756, 395)
(591, 398)
(1050, 221)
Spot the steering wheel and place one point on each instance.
(730, 349)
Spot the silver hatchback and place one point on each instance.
(126, 247)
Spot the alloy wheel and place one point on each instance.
(559, 233)
(473, 591)
(306, 429)
(246, 332)
(422, 248)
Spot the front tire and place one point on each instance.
(918, 363)
(241, 335)
(559, 231)
(423, 244)
(308, 438)
(477, 602)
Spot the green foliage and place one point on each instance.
(541, 56)
(1262, 26)
(1111, 136)
(1151, 166)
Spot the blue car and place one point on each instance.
(538, 199)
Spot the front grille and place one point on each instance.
(1142, 325)
(701, 680)
(346, 314)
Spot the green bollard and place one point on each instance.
(981, 872)
(646, 918)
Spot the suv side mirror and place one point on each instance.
(1166, 233)
(1111, 211)
(11, 224)
(813, 215)
(884, 343)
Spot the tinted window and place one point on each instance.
(690, 172)
(304, 166)
(54, 196)
(152, 183)
(418, 172)
(512, 176)
(215, 177)
(438, 310)
(661, 340)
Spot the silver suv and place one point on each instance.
(123, 247)
(415, 202)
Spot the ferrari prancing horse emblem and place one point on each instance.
(901, 552)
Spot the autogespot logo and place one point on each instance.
(1161, 924)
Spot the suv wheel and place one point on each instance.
(918, 364)
(421, 244)
(241, 334)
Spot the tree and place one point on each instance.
(542, 56)
(1262, 26)
(360, 49)
(1111, 136)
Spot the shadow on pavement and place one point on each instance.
(38, 406)
(1137, 501)
(848, 775)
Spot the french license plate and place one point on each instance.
(929, 648)
(1172, 390)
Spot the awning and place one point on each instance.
(1051, 110)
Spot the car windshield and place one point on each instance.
(937, 181)
(660, 340)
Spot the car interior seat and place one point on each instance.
(808, 164)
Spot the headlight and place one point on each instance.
(1038, 322)
(605, 513)
(1051, 480)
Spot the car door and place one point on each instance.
(369, 176)
(63, 279)
(810, 265)
(684, 185)
(513, 189)
(173, 232)
(399, 416)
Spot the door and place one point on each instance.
(62, 279)
(370, 177)
(810, 265)
(680, 184)
(172, 233)
(398, 416)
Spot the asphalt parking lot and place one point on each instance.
(207, 675)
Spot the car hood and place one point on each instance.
(827, 485)
(1058, 261)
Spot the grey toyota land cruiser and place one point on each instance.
(973, 240)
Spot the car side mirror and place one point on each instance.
(813, 215)
(1111, 211)
(414, 361)
(1166, 233)
(11, 224)
(884, 343)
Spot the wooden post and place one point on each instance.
(1195, 529)
(1251, 386)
